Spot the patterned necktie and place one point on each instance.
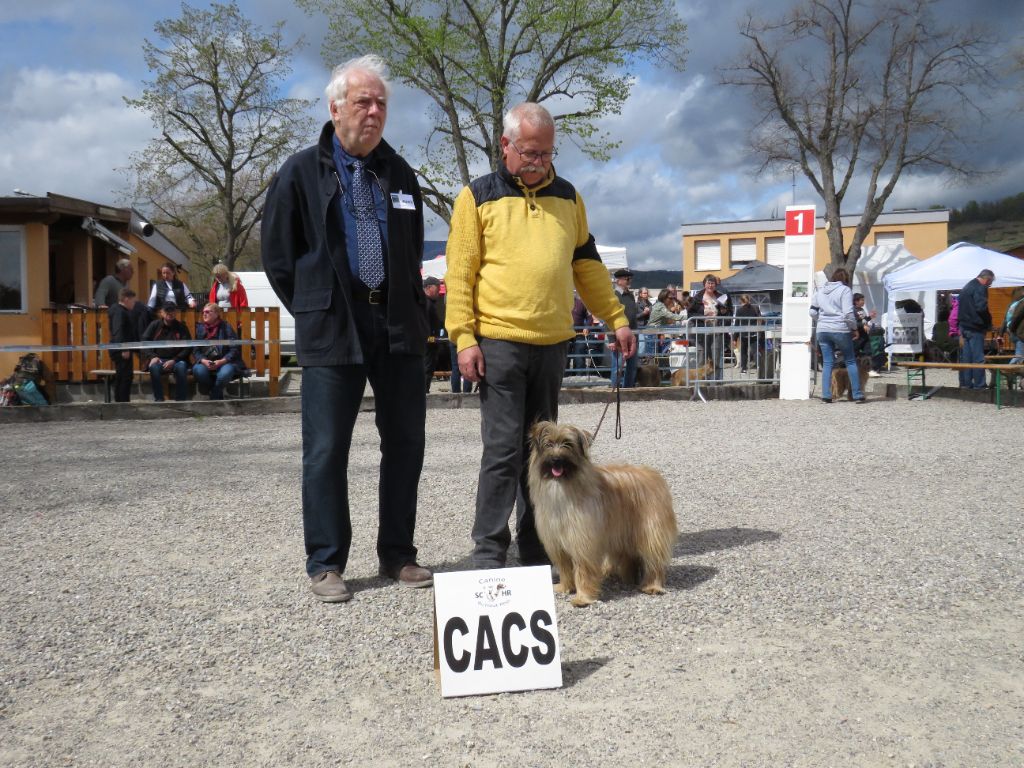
(371, 252)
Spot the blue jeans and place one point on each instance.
(648, 343)
(625, 379)
(214, 381)
(973, 351)
(829, 343)
(180, 371)
(1018, 351)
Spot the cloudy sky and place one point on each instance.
(65, 66)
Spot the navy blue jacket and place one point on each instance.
(304, 256)
(974, 314)
(215, 352)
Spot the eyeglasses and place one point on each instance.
(209, 312)
(535, 157)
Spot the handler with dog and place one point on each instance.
(519, 242)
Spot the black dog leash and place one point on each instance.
(618, 414)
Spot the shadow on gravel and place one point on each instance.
(702, 542)
(688, 576)
(577, 671)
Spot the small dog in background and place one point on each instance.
(594, 520)
(680, 377)
(648, 375)
(841, 378)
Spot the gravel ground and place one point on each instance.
(846, 591)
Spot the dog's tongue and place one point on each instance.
(556, 470)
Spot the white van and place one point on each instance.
(260, 294)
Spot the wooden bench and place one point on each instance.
(107, 374)
(916, 370)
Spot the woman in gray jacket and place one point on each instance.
(837, 328)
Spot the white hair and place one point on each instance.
(122, 264)
(337, 89)
(529, 112)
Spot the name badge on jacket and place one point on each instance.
(402, 201)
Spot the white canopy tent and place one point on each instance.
(435, 267)
(613, 257)
(874, 264)
(951, 270)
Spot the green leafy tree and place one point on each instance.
(855, 95)
(476, 58)
(224, 129)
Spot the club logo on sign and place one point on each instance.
(494, 592)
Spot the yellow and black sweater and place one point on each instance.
(514, 254)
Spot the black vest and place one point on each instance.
(179, 293)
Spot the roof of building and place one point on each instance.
(895, 218)
(49, 209)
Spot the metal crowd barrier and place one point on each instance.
(700, 352)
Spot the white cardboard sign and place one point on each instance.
(496, 630)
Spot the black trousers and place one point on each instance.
(331, 396)
(123, 373)
(520, 388)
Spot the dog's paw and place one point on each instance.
(582, 601)
(562, 588)
(652, 589)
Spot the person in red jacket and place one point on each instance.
(227, 291)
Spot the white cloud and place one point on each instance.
(66, 132)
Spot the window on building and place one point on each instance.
(12, 270)
(709, 255)
(742, 252)
(889, 238)
(775, 251)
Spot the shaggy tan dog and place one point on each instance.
(594, 520)
(841, 378)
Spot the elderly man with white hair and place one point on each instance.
(519, 244)
(342, 245)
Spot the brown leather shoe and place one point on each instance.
(409, 575)
(329, 587)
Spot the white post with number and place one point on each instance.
(797, 293)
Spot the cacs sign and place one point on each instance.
(495, 631)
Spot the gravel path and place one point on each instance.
(846, 590)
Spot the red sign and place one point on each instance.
(800, 221)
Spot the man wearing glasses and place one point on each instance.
(519, 243)
(342, 245)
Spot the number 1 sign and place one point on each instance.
(799, 221)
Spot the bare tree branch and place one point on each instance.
(855, 95)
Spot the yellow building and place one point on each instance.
(723, 248)
(55, 249)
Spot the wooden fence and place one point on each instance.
(78, 327)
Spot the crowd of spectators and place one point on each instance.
(158, 320)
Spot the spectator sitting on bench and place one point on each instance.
(216, 365)
(174, 359)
